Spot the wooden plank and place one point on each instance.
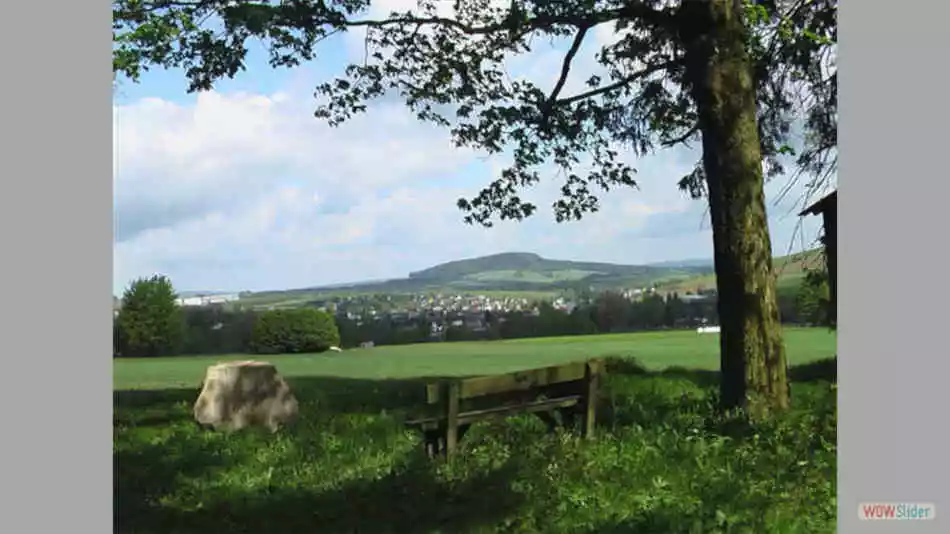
(592, 380)
(481, 386)
(432, 392)
(544, 405)
(469, 417)
(451, 417)
(521, 381)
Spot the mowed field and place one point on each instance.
(654, 350)
(663, 459)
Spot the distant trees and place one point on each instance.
(612, 311)
(149, 322)
(217, 330)
(294, 331)
(152, 324)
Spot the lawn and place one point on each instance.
(653, 350)
(663, 460)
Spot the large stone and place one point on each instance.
(235, 395)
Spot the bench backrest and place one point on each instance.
(561, 379)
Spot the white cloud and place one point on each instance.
(176, 162)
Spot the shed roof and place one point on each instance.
(830, 201)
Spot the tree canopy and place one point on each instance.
(446, 59)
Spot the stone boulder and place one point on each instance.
(235, 395)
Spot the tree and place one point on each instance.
(675, 310)
(813, 298)
(150, 321)
(613, 311)
(734, 74)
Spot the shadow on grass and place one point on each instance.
(635, 396)
(825, 370)
(328, 394)
(345, 395)
(144, 473)
(158, 451)
(407, 501)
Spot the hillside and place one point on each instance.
(513, 272)
(530, 274)
(790, 270)
(520, 270)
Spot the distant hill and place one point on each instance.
(525, 272)
(522, 268)
(506, 272)
(683, 263)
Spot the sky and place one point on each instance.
(242, 189)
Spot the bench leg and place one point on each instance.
(451, 419)
(591, 388)
(431, 442)
(548, 419)
(569, 416)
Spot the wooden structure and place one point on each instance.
(827, 207)
(454, 404)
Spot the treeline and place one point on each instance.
(150, 324)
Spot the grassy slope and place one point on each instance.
(790, 270)
(653, 350)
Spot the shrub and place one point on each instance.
(624, 365)
(294, 331)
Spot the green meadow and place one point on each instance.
(663, 459)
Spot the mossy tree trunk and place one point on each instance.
(752, 349)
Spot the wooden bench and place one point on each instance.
(452, 405)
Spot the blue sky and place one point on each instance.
(242, 189)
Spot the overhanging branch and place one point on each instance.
(682, 138)
(565, 71)
(651, 69)
(309, 16)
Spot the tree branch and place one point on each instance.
(565, 70)
(652, 69)
(631, 10)
(681, 139)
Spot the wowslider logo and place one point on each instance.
(896, 511)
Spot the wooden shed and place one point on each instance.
(827, 207)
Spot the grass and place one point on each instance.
(663, 461)
(653, 350)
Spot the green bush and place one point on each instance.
(624, 365)
(294, 331)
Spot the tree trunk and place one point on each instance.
(752, 349)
